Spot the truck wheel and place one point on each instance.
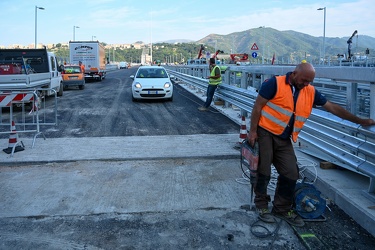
(61, 90)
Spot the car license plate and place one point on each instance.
(153, 92)
(73, 77)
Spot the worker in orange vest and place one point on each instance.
(82, 66)
(281, 108)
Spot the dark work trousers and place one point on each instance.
(210, 95)
(279, 152)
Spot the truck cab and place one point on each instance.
(28, 69)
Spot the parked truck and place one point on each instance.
(29, 69)
(92, 56)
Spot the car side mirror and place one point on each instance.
(60, 68)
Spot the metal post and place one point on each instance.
(36, 23)
(324, 34)
(264, 42)
(372, 100)
(74, 32)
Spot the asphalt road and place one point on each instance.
(106, 109)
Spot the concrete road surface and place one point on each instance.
(181, 203)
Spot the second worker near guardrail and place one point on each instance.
(281, 108)
(214, 79)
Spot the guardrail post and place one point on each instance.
(244, 85)
(243, 80)
(206, 72)
(351, 100)
(254, 83)
(227, 76)
(372, 100)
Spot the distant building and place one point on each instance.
(137, 45)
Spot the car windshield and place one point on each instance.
(72, 70)
(152, 73)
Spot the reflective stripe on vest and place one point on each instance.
(214, 81)
(276, 114)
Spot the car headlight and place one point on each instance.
(167, 85)
(138, 85)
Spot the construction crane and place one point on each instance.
(200, 53)
(200, 59)
(239, 58)
(217, 52)
(349, 42)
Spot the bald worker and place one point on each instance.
(281, 108)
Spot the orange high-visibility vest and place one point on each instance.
(277, 112)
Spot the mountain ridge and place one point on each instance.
(286, 44)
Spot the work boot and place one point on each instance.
(265, 215)
(291, 217)
(202, 108)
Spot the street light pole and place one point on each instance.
(36, 22)
(324, 33)
(74, 32)
(264, 42)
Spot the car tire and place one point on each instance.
(81, 87)
(61, 90)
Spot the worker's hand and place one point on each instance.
(252, 137)
(208, 77)
(367, 122)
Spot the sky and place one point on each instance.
(129, 21)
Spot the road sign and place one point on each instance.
(254, 47)
(254, 54)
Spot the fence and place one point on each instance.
(324, 135)
(26, 111)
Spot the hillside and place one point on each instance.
(286, 44)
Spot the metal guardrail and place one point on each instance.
(111, 67)
(324, 135)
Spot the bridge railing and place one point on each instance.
(324, 135)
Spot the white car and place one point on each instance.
(152, 82)
(123, 65)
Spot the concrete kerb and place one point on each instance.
(124, 148)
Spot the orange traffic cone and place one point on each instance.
(13, 137)
(243, 133)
